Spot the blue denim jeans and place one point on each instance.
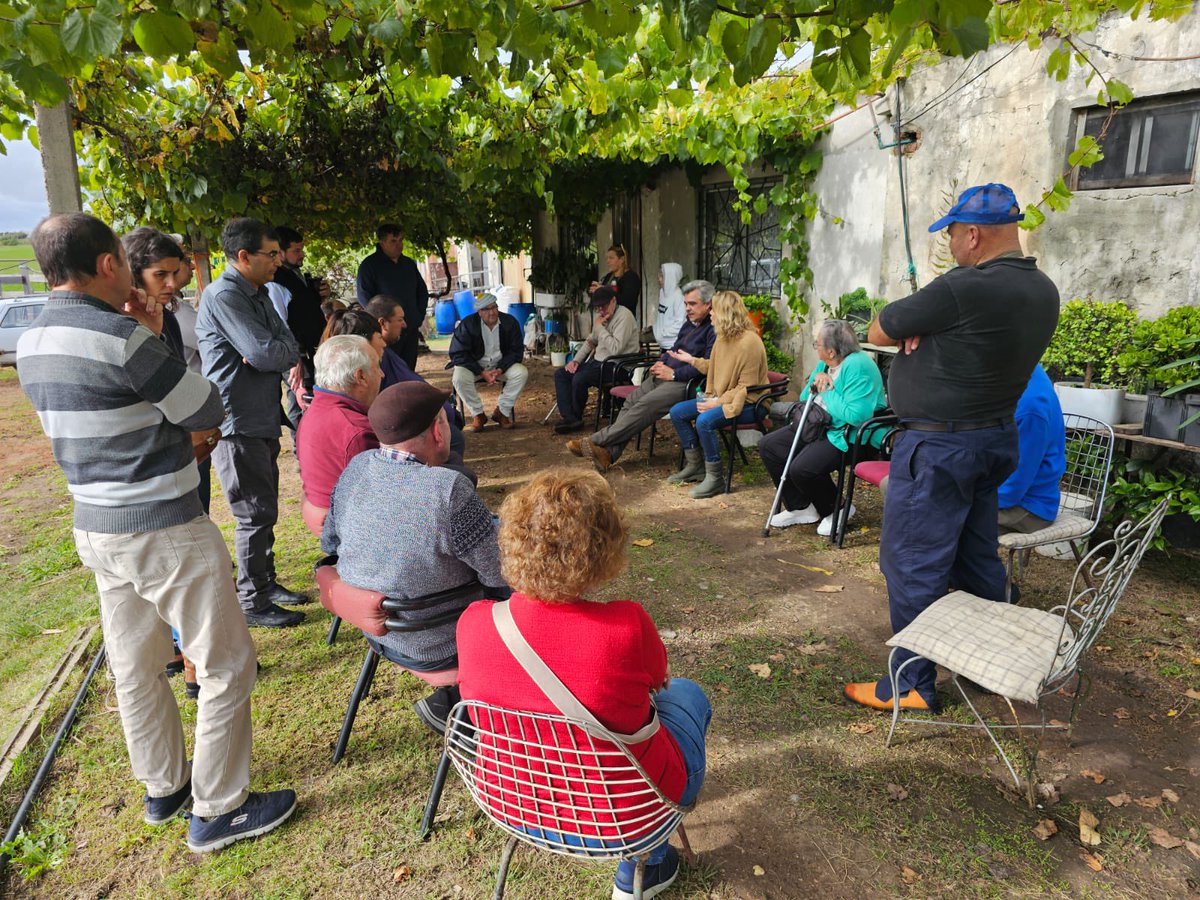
(701, 428)
(685, 712)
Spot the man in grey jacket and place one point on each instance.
(245, 348)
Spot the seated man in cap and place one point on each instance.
(488, 345)
(402, 524)
(1029, 497)
(615, 333)
(665, 386)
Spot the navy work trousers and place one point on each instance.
(940, 528)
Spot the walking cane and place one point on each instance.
(783, 476)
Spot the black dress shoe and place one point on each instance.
(273, 617)
(567, 427)
(281, 596)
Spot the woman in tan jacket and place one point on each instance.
(738, 363)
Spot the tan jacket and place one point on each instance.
(618, 337)
(733, 367)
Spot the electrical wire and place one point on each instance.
(900, 154)
(1116, 54)
(943, 98)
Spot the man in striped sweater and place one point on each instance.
(118, 408)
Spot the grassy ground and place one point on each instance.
(11, 256)
(803, 798)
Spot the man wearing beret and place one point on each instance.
(615, 333)
(487, 345)
(968, 342)
(406, 526)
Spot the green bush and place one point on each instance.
(1158, 342)
(1089, 338)
(857, 306)
(773, 330)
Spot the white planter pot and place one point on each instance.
(558, 359)
(549, 301)
(1099, 402)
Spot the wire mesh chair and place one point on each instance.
(1081, 504)
(559, 785)
(1021, 653)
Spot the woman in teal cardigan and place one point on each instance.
(849, 388)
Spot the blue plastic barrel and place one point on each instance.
(444, 316)
(464, 303)
(521, 312)
(555, 327)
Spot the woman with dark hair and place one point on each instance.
(156, 263)
(622, 279)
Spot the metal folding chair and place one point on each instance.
(1023, 654)
(853, 468)
(558, 785)
(774, 389)
(1081, 504)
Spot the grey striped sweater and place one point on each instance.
(118, 408)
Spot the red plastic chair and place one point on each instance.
(870, 471)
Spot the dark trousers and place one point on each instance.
(410, 338)
(205, 487)
(572, 390)
(807, 479)
(249, 471)
(940, 527)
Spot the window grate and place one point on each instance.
(1149, 142)
(736, 255)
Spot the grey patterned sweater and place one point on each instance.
(406, 530)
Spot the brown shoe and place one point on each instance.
(598, 454)
(575, 446)
(478, 423)
(501, 419)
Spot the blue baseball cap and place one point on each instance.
(984, 204)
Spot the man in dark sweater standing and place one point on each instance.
(245, 347)
(304, 317)
(388, 271)
(118, 408)
(969, 340)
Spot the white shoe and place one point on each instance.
(826, 527)
(789, 517)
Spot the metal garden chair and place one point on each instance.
(855, 469)
(1024, 654)
(1082, 488)
(774, 389)
(559, 785)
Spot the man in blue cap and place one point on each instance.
(969, 341)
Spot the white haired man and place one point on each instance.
(335, 428)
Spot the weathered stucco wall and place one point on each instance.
(1014, 124)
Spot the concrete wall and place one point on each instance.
(1015, 124)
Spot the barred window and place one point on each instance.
(1149, 142)
(735, 255)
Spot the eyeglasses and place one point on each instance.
(271, 254)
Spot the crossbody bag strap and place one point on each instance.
(550, 685)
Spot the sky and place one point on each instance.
(22, 188)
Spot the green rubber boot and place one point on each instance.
(693, 467)
(713, 483)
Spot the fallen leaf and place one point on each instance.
(797, 671)
(803, 566)
(1163, 838)
(1057, 723)
(470, 835)
(1118, 799)
(689, 609)
(1122, 713)
(909, 875)
(402, 874)
(54, 631)
(1088, 824)
(1048, 792)
(895, 792)
(829, 589)
(1172, 713)
(1189, 693)
(861, 727)
(1196, 660)
(1097, 777)
(762, 670)
(723, 688)
(1192, 848)
(1149, 802)
(1093, 862)
(1103, 648)
(811, 649)
(1170, 796)
(1045, 829)
(759, 871)
(776, 657)
(644, 542)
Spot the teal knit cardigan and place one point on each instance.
(856, 396)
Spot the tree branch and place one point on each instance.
(815, 14)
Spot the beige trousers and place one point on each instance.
(514, 378)
(179, 576)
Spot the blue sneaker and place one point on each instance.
(258, 815)
(657, 878)
(164, 809)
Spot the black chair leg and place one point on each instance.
(502, 874)
(333, 630)
(361, 689)
(435, 796)
(835, 534)
(843, 512)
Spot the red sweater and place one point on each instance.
(333, 430)
(609, 655)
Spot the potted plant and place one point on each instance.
(1089, 338)
(557, 346)
(560, 278)
(856, 307)
(771, 329)
(1162, 356)
(1139, 485)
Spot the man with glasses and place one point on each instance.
(245, 348)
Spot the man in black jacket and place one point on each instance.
(304, 317)
(488, 346)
